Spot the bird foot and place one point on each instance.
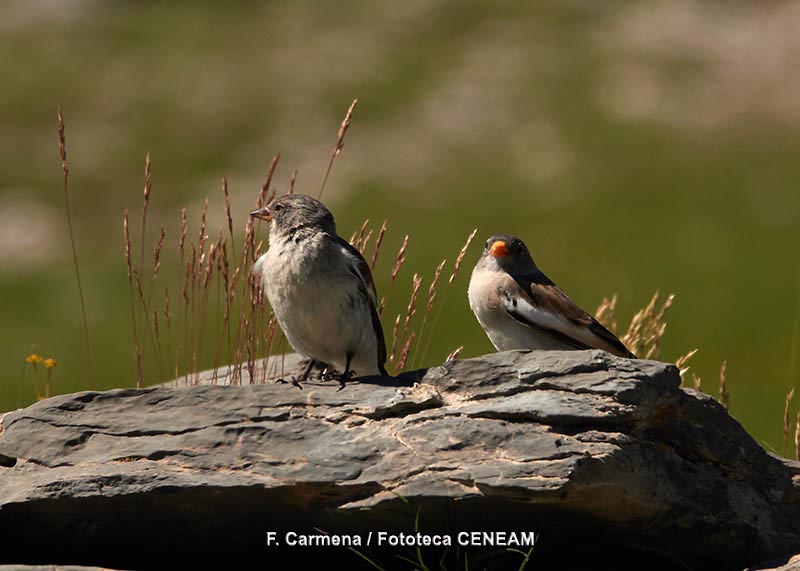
(293, 381)
(330, 375)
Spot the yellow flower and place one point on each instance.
(50, 363)
(33, 358)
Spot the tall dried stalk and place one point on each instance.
(683, 363)
(264, 196)
(227, 207)
(797, 437)
(428, 306)
(400, 259)
(143, 322)
(378, 242)
(401, 363)
(411, 310)
(724, 395)
(606, 313)
(128, 260)
(337, 148)
(395, 335)
(62, 151)
(786, 422)
(460, 257)
(173, 363)
(647, 328)
(355, 237)
(454, 354)
(453, 276)
(156, 266)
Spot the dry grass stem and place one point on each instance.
(337, 149)
(453, 355)
(797, 437)
(129, 261)
(168, 319)
(411, 310)
(202, 236)
(378, 242)
(460, 258)
(647, 328)
(262, 195)
(724, 395)
(786, 421)
(428, 306)
(143, 323)
(453, 276)
(606, 313)
(432, 288)
(365, 242)
(157, 252)
(227, 206)
(401, 363)
(401, 258)
(395, 333)
(182, 240)
(62, 151)
(358, 237)
(682, 362)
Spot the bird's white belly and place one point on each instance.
(322, 318)
(503, 331)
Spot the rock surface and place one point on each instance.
(50, 568)
(607, 459)
(783, 564)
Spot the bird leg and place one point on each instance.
(329, 374)
(348, 374)
(302, 378)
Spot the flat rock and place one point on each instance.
(607, 459)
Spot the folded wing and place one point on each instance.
(360, 268)
(538, 302)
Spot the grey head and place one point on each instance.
(290, 214)
(509, 253)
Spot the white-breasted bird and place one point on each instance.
(320, 289)
(519, 307)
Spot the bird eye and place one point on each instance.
(277, 207)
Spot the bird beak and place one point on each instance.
(262, 214)
(499, 249)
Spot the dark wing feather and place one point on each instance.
(547, 296)
(564, 338)
(361, 266)
(360, 269)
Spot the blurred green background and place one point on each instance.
(633, 146)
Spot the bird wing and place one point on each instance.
(536, 301)
(358, 266)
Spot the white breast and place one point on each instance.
(503, 331)
(318, 305)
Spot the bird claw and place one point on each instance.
(293, 381)
(329, 375)
(344, 377)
